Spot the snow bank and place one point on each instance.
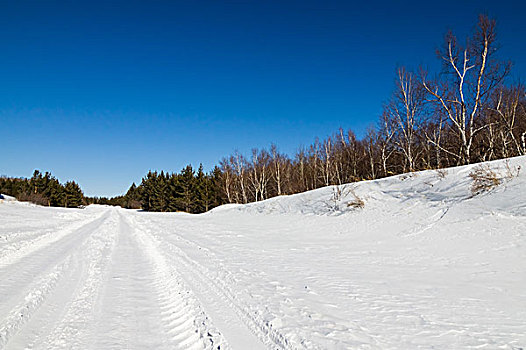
(6, 198)
(449, 186)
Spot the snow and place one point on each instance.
(6, 198)
(424, 264)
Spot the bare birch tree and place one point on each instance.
(405, 111)
(510, 108)
(240, 166)
(473, 75)
(278, 165)
(259, 173)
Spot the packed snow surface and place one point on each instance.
(423, 263)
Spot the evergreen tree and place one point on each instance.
(214, 189)
(56, 194)
(160, 193)
(146, 194)
(200, 191)
(43, 189)
(73, 197)
(174, 193)
(186, 188)
(132, 198)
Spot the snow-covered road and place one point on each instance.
(97, 278)
(423, 265)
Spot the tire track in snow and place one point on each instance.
(72, 330)
(16, 277)
(28, 247)
(32, 300)
(133, 310)
(54, 266)
(184, 322)
(233, 314)
(198, 275)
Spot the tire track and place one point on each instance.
(37, 286)
(183, 319)
(131, 308)
(27, 247)
(216, 291)
(73, 329)
(16, 277)
(22, 313)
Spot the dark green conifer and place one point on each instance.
(73, 197)
(186, 188)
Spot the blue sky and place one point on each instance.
(101, 92)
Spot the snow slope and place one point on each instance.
(424, 264)
(6, 198)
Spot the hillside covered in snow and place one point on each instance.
(432, 259)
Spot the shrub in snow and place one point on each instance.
(484, 179)
(355, 202)
(339, 192)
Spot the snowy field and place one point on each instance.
(423, 265)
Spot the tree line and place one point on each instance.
(190, 191)
(467, 112)
(43, 189)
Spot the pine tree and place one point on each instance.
(200, 191)
(56, 194)
(174, 193)
(160, 193)
(132, 198)
(186, 188)
(214, 189)
(73, 195)
(146, 193)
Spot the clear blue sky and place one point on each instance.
(101, 92)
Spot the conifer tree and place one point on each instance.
(200, 191)
(174, 190)
(215, 185)
(160, 193)
(56, 194)
(132, 198)
(186, 187)
(72, 195)
(147, 186)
